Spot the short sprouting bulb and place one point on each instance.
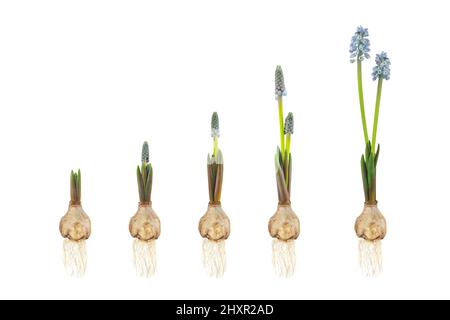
(289, 124)
(215, 132)
(280, 89)
(145, 153)
(360, 45)
(382, 69)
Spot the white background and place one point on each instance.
(83, 83)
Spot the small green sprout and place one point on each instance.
(75, 187)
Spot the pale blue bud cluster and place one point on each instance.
(145, 153)
(215, 131)
(280, 89)
(382, 69)
(360, 45)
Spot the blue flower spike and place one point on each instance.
(280, 88)
(360, 45)
(382, 69)
(145, 155)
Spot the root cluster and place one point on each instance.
(145, 227)
(214, 226)
(283, 257)
(144, 257)
(75, 258)
(214, 257)
(370, 227)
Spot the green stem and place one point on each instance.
(377, 110)
(216, 143)
(281, 119)
(286, 161)
(361, 102)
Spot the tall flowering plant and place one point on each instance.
(284, 225)
(370, 226)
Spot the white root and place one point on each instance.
(214, 257)
(283, 257)
(370, 257)
(144, 256)
(75, 257)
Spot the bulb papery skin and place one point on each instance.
(214, 224)
(370, 225)
(145, 224)
(75, 224)
(284, 224)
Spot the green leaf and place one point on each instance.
(140, 184)
(364, 178)
(280, 160)
(148, 184)
(144, 173)
(377, 154)
(283, 193)
(368, 148)
(79, 185)
(277, 160)
(370, 169)
(289, 174)
(72, 186)
(373, 188)
(210, 188)
(218, 186)
(151, 183)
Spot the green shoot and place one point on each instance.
(75, 187)
(144, 175)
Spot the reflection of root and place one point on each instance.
(214, 257)
(144, 255)
(283, 257)
(370, 257)
(75, 258)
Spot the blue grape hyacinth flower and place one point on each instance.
(145, 155)
(382, 69)
(360, 45)
(215, 132)
(280, 88)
